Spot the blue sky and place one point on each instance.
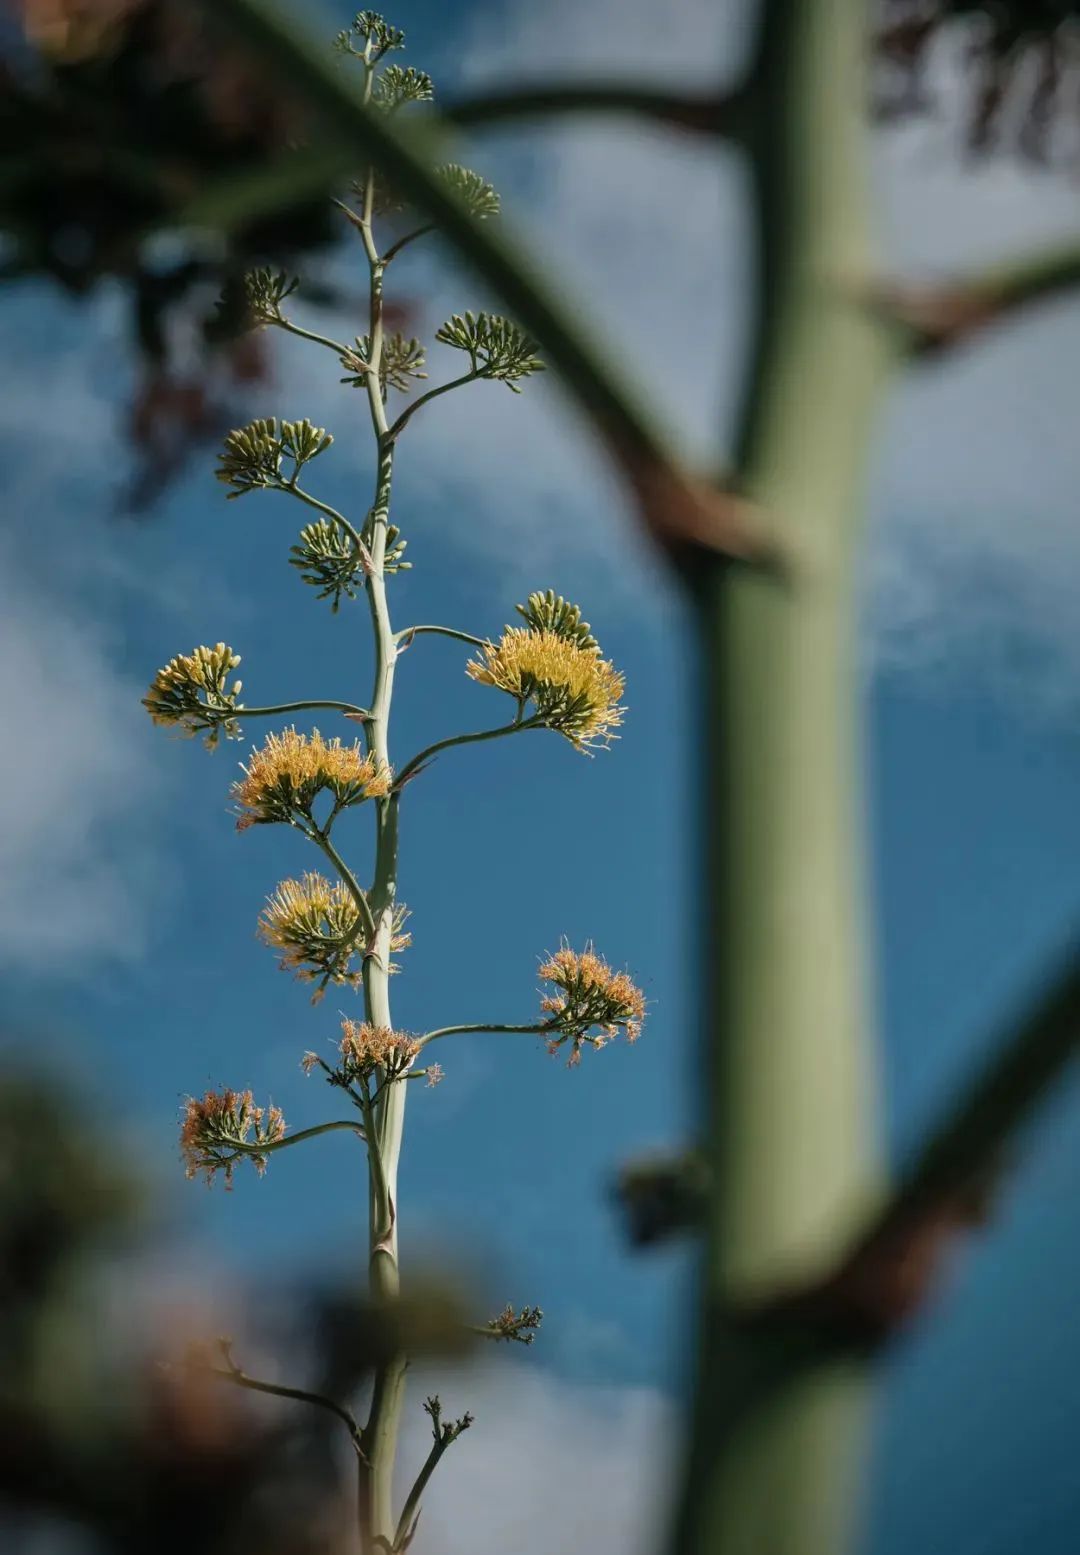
(128, 904)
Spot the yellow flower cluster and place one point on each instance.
(191, 693)
(282, 780)
(314, 924)
(224, 1126)
(572, 688)
(590, 995)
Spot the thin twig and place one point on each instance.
(410, 632)
(240, 1379)
(306, 334)
(722, 114)
(454, 1031)
(937, 318)
(349, 708)
(293, 490)
(410, 237)
(321, 840)
(432, 394)
(424, 756)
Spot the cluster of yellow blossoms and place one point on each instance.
(282, 780)
(224, 1126)
(573, 689)
(590, 995)
(315, 925)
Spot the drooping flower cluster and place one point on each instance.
(315, 924)
(224, 1127)
(284, 778)
(572, 689)
(593, 1003)
(191, 693)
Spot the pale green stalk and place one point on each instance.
(789, 1093)
(410, 632)
(307, 334)
(412, 767)
(348, 708)
(377, 1520)
(536, 1029)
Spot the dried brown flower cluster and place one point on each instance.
(191, 693)
(593, 1003)
(282, 781)
(315, 925)
(572, 688)
(222, 1128)
(365, 1049)
(520, 1327)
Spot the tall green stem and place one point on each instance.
(788, 1066)
(376, 1491)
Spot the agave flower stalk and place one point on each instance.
(339, 931)
(788, 1050)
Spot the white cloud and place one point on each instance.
(74, 782)
(77, 787)
(549, 1464)
(973, 565)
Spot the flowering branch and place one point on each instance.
(336, 931)
(510, 1326)
(677, 509)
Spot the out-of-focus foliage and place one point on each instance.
(150, 1443)
(115, 115)
(1019, 69)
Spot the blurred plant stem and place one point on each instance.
(789, 1051)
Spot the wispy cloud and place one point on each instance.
(973, 565)
(77, 784)
(973, 560)
(74, 780)
(549, 1465)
